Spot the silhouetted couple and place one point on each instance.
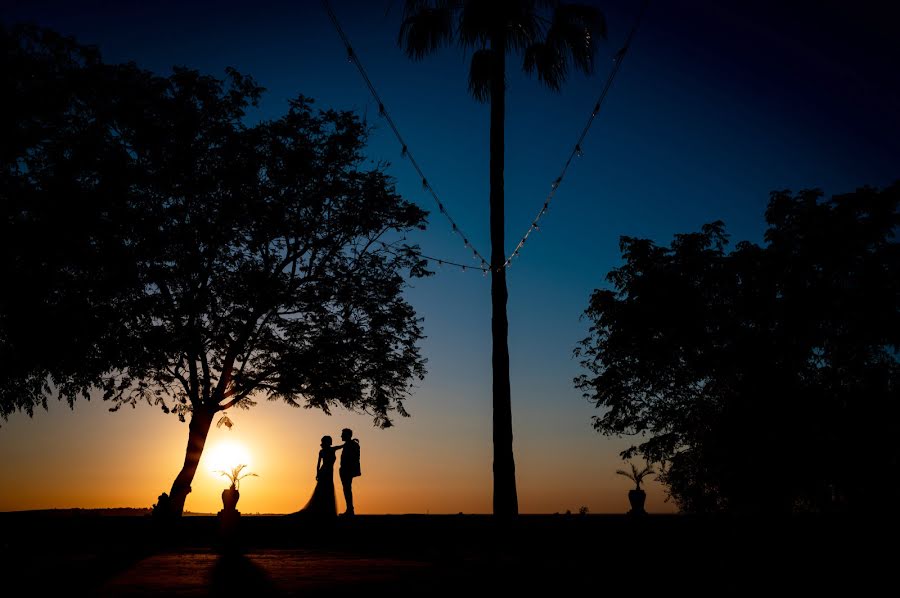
(323, 503)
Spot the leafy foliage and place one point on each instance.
(636, 475)
(549, 35)
(728, 365)
(235, 476)
(164, 250)
(56, 230)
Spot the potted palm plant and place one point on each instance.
(231, 495)
(636, 496)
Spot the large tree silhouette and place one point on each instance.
(163, 250)
(765, 379)
(549, 36)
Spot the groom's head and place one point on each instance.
(346, 434)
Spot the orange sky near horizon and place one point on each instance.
(438, 462)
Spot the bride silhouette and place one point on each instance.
(322, 503)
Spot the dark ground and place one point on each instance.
(426, 555)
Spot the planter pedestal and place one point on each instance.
(637, 499)
(229, 517)
(230, 497)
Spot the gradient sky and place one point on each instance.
(716, 105)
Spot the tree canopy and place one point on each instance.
(160, 248)
(764, 379)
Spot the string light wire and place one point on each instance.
(439, 260)
(577, 149)
(404, 147)
(405, 152)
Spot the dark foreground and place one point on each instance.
(427, 555)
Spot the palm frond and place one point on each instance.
(636, 475)
(480, 75)
(627, 474)
(647, 470)
(235, 476)
(574, 33)
(475, 24)
(425, 27)
(547, 62)
(568, 32)
(522, 25)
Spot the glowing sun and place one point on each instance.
(225, 456)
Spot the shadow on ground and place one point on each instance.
(445, 555)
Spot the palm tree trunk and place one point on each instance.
(198, 430)
(506, 502)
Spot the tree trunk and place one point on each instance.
(506, 502)
(198, 430)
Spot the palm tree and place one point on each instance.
(235, 476)
(548, 35)
(636, 475)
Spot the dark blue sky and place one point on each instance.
(716, 105)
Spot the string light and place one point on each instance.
(577, 149)
(439, 261)
(405, 152)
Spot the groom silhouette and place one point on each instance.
(349, 467)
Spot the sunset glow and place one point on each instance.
(225, 455)
(701, 125)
